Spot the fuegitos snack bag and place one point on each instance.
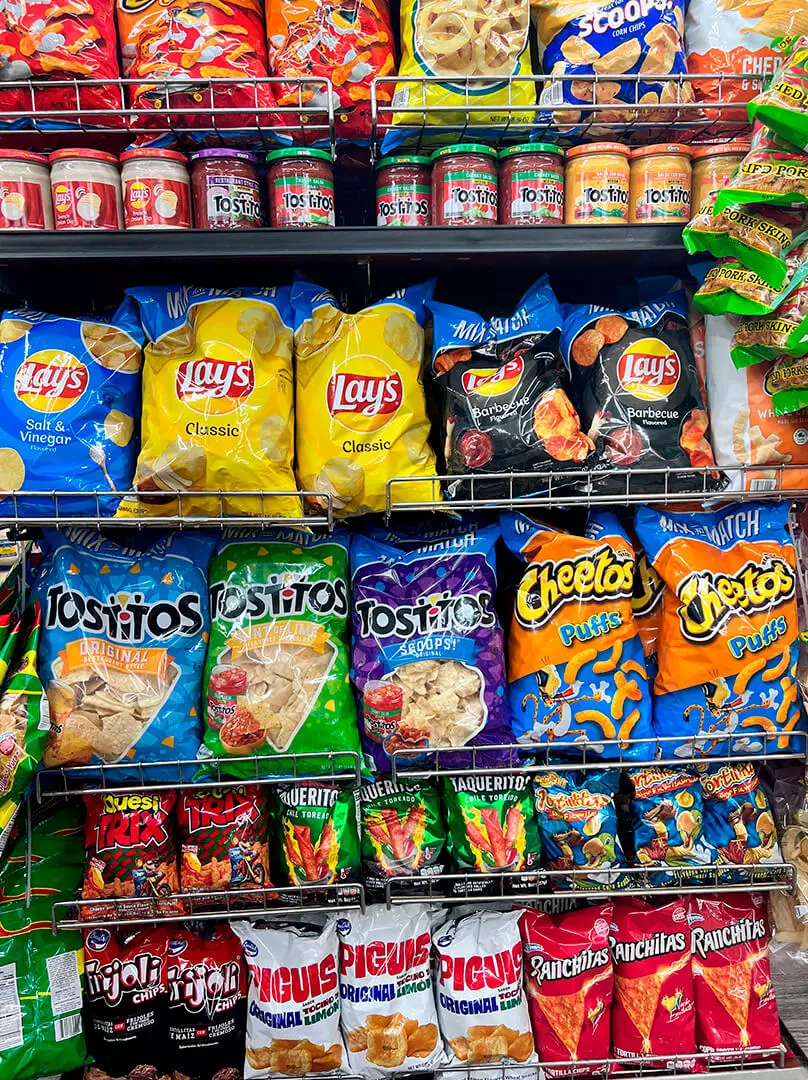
(576, 670)
(568, 970)
(728, 644)
(402, 833)
(319, 828)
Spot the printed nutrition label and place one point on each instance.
(10, 1011)
(65, 985)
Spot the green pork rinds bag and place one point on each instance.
(729, 288)
(783, 105)
(782, 333)
(774, 171)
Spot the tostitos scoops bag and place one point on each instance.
(728, 642)
(427, 645)
(576, 669)
(71, 393)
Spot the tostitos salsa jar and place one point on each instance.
(301, 188)
(404, 191)
(597, 185)
(464, 185)
(659, 192)
(531, 184)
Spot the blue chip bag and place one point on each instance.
(124, 635)
(668, 818)
(738, 820)
(71, 391)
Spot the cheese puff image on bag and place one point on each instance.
(576, 669)
(728, 643)
(361, 414)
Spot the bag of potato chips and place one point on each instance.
(361, 415)
(217, 402)
(71, 392)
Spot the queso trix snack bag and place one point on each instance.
(728, 644)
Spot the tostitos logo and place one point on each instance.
(649, 369)
(364, 394)
(490, 382)
(217, 383)
(51, 381)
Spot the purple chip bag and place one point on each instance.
(428, 655)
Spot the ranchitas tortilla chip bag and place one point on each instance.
(318, 824)
(402, 833)
(276, 673)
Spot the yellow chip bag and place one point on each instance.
(217, 402)
(361, 415)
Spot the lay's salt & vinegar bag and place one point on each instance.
(728, 642)
(576, 669)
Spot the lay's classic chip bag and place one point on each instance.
(728, 642)
(71, 392)
(576, 670)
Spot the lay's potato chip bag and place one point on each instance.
(576, 669)
(728, 643)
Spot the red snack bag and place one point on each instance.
(224, 839)
(735, 1003)
(569, 978)
(130, 853)
(653, 1011)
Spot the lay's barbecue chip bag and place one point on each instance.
(728, 643)
(576, 670)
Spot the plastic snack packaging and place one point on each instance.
(276, 673)
(773, 172)
(427, 645)
(318, 824)
(783, 105)
(351, 46)
(71, 389)
(576, 669)
(123, 643)
(568, 969)
(653, 1012)
(361, 415)
(646, 606)
(294, 992)
(217, 401)
(735, 1003)
(507, 395)
(667, 816)
(223, 840)
(402, 834)
(129, 840)
(730, 288)
(737, 817)
(388, 1015)
(57, 859)
(728, 644)
(635, 384)
(578, 828)
(783, 332)
(479, 973)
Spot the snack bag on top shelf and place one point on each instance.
(576, 669)
(318, 826)
(783, 105)
(223, 840)
(784, 331)
(728, 644)
(737, 817)
(667, 817)
(361, 414)
(217, 402)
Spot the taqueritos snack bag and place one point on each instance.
(402, 833)
(667, 815)
(318, 826)
(728, 645)
(735, 1004)
(576, 669)
(569, 976)
(783, 105)
(737, 817)
(223, 840)
(653, 1012)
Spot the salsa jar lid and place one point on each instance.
(531, 148)
(24, 155)
(599, 148)
(91, 155)
(149, 152)
(660, 148)
(224, 152)
(299, 152)
(737, 146)
(465, 148)
(404, 159)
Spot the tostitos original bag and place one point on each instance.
(576, 670)
(361, 415)
(217, 401)
(728, 643)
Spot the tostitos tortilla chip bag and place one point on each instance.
(728, 643)
(576, 670)
(217, 402)
(361, 415)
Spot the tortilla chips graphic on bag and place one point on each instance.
(738, 820)
(667, 815)
(728, 644)
(223, 838)
(576, 670)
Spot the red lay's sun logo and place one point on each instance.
(51, 381)
(649, 369)
(218, 382)
(364, 394)
(490, 382)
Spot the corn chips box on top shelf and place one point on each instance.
(318, 826)
(783, 105)
(402, 834)
(217, 401)
(276, 675)
(361, 415)
(71, 394)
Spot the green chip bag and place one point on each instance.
(57, 859)
(783, 105)
(783, 332)
(318, 826)
(730, 288)
(402, 834)
(276, 678)
(788, 385)
(772, 172)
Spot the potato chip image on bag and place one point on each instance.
(71, 389)
(223, 840)
(218, 403)
(123, 643)
(361, 415)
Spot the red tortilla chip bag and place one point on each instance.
(568, 967)
(224, 839)
(735, 1003)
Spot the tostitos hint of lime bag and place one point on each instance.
(783, 105)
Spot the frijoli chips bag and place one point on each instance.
(402, 833)
(728, 644)
(576, 669)
(319, 828)
(783, 105)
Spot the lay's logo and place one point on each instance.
(226, 380)
(491, 382)
(51, 381)
(364, 400)
(649, 370)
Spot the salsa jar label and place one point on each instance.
(84, 204)
(225, 685)
(663, 197)
(604, 198)
(156, 203)
(21, 206)
(470, 196)
(232, 200)
(302, 200)
(536, 196)
(404, 205)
